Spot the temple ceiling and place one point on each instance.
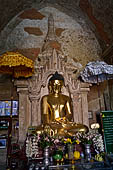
(83, 29)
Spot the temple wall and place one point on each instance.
(67, 50)
(26, 33)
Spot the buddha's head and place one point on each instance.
(55, 83)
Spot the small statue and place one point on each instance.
(56, 110)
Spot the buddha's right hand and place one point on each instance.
(62, 120)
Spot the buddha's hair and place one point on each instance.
(57, 76)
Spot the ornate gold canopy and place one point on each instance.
(16, 64)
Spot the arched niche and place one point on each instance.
(31, 91)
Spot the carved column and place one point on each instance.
(75, 107)
(23, 113)
(84, 103)
(77, 112)
(35, 112)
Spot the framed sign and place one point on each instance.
(2, 143)
(107, 125)
(5, 108)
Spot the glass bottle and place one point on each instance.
(70, 151)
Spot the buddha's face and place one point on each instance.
(56, 86)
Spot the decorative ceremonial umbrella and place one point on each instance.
(96, 72)
(17, 65)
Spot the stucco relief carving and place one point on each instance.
(47, 63)
(50, 60)
(44, 71)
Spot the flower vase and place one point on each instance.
(46, 156)
(70, 151)
(88, 152)
(58, 155)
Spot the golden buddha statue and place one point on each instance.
(56, 110)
